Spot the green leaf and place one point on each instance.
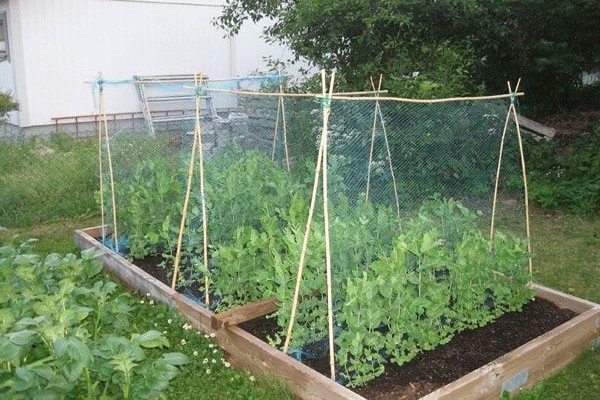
(22, 338)
(150, 339)
(8, 350)
(176, 358)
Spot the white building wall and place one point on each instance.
(64, 43)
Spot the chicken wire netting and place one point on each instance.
(412, 190)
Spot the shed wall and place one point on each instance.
(64, 43)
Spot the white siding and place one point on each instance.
(64, 43)
(7, 70)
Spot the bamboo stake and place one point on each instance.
(388, 150)
(202, 193)
(326, 113)
(425, 101)
(374, 129)
(524, 171)
(346, 96)
(184, 212)
(102, 110)
(101, 172)
(284, 123)
(276, 129)
(495, 198)
(311, 210)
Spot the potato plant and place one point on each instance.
(61, 337)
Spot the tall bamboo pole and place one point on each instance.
(101, 172)
(184, 212)
(307, 228)
(202, 191)
(325, 132)
(102, 111)
(524, 172)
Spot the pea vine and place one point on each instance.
(397, 292)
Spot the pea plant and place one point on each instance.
(439, 278)
(61, 336)
(399, 287)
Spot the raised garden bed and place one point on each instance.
(536, 360)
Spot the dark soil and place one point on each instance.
(467, 351)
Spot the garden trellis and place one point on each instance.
(381, 226)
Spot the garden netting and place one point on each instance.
(410, 193)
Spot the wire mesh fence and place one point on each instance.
(46, 179)
(380, 226)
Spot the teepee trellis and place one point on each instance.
(103, 131)
(281, 115)
(378, 115)
(197, 145)
(321, 169)
(512, 114)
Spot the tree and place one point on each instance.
(439, 47)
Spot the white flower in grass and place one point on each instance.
(164, 332)
(169, 321)
(183, 342)
(252, 379)
(195, 353)
(214, 351)
(151, 302)
(186, 327)
(156, 324)
(206, 336)
(205, 361)
(211, 345)
(213, 361)
(212, 335)
(147, 294)
(226, 364)
(141, 301)
(207, 371)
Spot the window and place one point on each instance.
(3, 38)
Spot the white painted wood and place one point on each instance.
(60, 44)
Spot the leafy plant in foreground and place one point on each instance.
(61, 338)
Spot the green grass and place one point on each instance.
(45, 180)
(566, 250)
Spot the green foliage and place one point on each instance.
(439, 48)
(391, 302)
(7, 104)
(439, 278)
(450, 148)
(565, 178)
(149, 208)
(59, 337)
(396, 292)
(46, 179)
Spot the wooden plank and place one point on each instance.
(535, 127)
(563, 300)
(244, 313)
(197, 315)
(128, 273)
(522, 367)
(306, 383)
(536, 360)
